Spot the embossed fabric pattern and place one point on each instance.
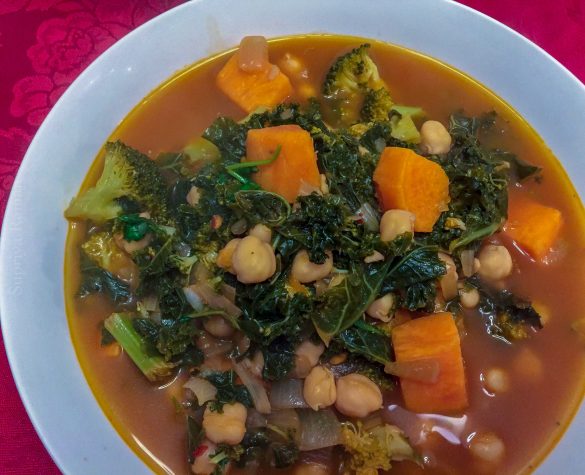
(46, 44)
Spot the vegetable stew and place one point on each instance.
(322, 255)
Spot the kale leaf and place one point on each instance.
(279, 359)
(228, 391)
(509, 317)
(263, 207)
(367, 340)
(339, 307)
(94, 279)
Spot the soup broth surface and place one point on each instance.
(544, 391)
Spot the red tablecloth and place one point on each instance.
(45, 44)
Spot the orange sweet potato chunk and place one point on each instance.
(432, 337)
(534, 227)
(296, 162)
(408, 181)
(252, 90)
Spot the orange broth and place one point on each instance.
(529, 418)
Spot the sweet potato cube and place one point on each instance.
(432, 337)
(296, 162)
(408, 181)
(534, 227)
(255, 89)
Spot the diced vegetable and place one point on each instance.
(121, 328)
(250, 90)
(435, 337)
(405, 180)
(295, 164)
(533, 226)
(319, 429)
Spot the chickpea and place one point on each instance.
(262, 232)
(448, 281)
(434, 138)
(193, 196)
(528, 365)
(357, 396)
(319, 389)
(497, 380)
(382, 308)
(311, 469)
(306, 271)
(218, 327)
(495, 262)
(202, 464)
(225, 256)
(307, 356)
(395, 222)
(469, 297)
(227, 427)
(487, 447)
(306, 90)
(253, 260)
(292, 64)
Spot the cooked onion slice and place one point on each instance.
(467, 259)
(369, 216)
(288, 394)
(423, 370)
(210, 298)
(319, 429)
(253, 54)
(254, 386)
(204, 391)
(213, 347)
(286, 421)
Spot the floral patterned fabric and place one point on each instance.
(46, 44)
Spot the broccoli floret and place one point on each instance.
(127, 174)
(377, 105)
(374, 449)
(348, 81)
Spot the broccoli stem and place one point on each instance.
(121, 328)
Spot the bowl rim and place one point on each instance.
(11, 251)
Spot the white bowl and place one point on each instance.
(51, 384)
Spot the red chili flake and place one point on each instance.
(199, 451)
(216, 221)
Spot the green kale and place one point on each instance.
(367, 340)
(359, 364)
(279, 359)
(341, 306)
(173, 339)
(94, 279)
(229, 137)
(508, 317)
(228, 391)
(263, 207)
(285, 454)
(135, 227)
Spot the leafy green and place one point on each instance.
(229, 137)
(508, 317)
(285, 454)
(367, 340)
(478, 186)
(228, 391)
(341, 306)
(279, 359)
(135, 227)
(173, 339)
(94, 279)
(263, 207)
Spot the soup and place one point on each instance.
(436, 361)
